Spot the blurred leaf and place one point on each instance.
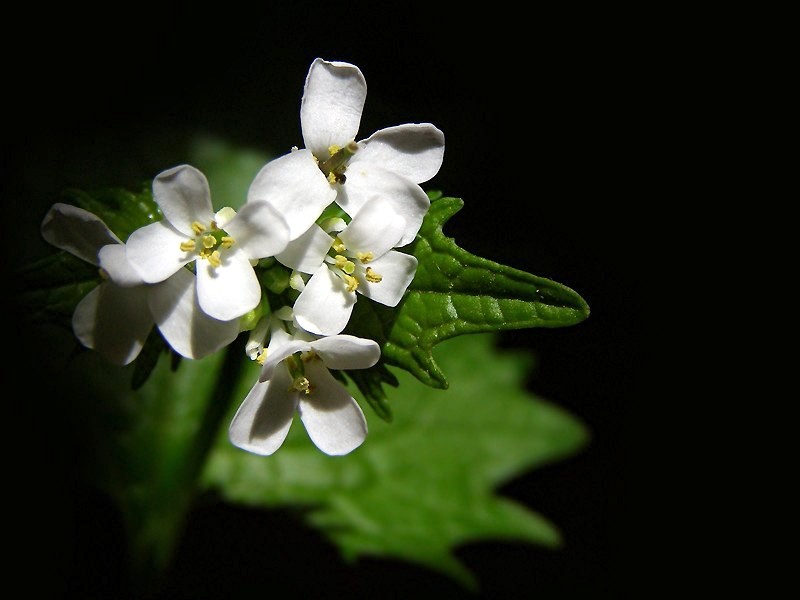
(146, 447)
(454, 293)
(422, 486)
(229, 169)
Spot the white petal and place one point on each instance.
(224, 216)
(333, 419)
(414, 150)
(229, 290)
(295, 186)
(333, 100)
(376, 228)
(114, 321)
(366, 182)
(277, 355)
(397, 270)
(325, 305)
(183, 195)
(189, 330)
(263, 420)
(114, 261)
(306, 253)
(258, 230)
(347, 351)
(77, 231)
(154, 251)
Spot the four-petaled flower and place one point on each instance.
(221, 244)
(359, 259)
(389, 164)
(116, 317)
(295, 377)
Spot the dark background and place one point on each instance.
(535, 109)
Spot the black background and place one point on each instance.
(535, 108)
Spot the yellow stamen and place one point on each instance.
(227, 241)
(345, 265)
(333, 149)
(301, 384)
(365, 257)
(332, 177)
(188, 246)
(338, 245)
(261, 356)
(214, 259)
(352, 283)
(198, 227)
(372, 276)
(209, 241)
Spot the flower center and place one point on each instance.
(336, 165)
(300, 383)
(208, 242)
(348, 265)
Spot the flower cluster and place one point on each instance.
(193, 274)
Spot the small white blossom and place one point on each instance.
(116, 317)
(390, 164)
(295, 378)
(221, 245)
(346, 260)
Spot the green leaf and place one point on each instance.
(122, 210)
(422, 486)
(454, 293)
(51, 287)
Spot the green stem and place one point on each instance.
(157, 514)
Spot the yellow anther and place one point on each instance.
(261, 356)
(214, 259)
(301, 384)
(365, 257)
(332, 177)
(333, 149)
(340, 261)
(209, 241)
(338, 245)
(372, 276)
(352, 283)
(188, 246)
(226, 241)
(198, 227)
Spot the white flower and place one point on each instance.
(221, 245)
(390, 164)
(295, 377)
(116, 317)
(359, 259)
